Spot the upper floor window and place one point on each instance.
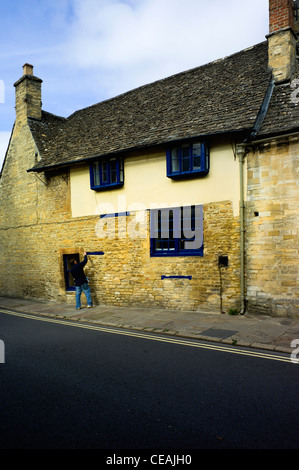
(187, 160)
(108, 173)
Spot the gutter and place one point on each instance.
(241, 151)
(274, 137)
(236, 133)
(262, 112)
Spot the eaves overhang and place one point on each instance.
(234, 134)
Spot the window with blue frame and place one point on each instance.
(189, 159)
(177, 231)
(107, 174)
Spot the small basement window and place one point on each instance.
(107, 174)
(188, 159)
(69, 280)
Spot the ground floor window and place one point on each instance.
(69, 280)
(177, 231)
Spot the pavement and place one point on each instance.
(256, 331)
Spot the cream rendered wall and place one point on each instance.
(147, 186)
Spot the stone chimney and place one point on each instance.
(28, 96)
(281, 39)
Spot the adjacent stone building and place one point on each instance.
(184, 192)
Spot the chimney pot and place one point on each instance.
(27, 69)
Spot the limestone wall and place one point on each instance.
(272, 229)
(37, 228)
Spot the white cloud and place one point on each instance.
(135, 42)
(89, 50)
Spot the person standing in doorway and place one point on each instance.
(81, 282)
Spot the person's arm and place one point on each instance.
(83, 263)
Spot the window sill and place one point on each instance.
(162, 254)
(107, 187)
(188, 174)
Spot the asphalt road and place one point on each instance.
(65, 387)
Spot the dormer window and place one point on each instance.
(188, 159)
(107, 174)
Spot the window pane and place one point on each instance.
(175, 160)
(196, 153)
(113, 171)
(121, 171)
(96, 174)
(196, 163)
(186, 158)
(206, 159)
(196, 149)
(104, 172)
(158, 245)
(164, 245)
(171, 245)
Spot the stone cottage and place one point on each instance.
(183, 192)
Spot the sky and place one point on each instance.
(86, 51)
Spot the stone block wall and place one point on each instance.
(272, 229)
(126, 274)
(37, 229)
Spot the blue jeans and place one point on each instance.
(85, 288)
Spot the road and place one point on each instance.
(65, 385)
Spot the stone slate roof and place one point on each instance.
(283, 112)
(221, 97)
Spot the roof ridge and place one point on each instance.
(54, 115)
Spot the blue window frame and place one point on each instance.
(107, 174)
(176, 231)
(188, 159)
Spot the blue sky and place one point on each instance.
(86, 51)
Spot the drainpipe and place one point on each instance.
(241, 151)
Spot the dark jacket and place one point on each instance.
(78, 273)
